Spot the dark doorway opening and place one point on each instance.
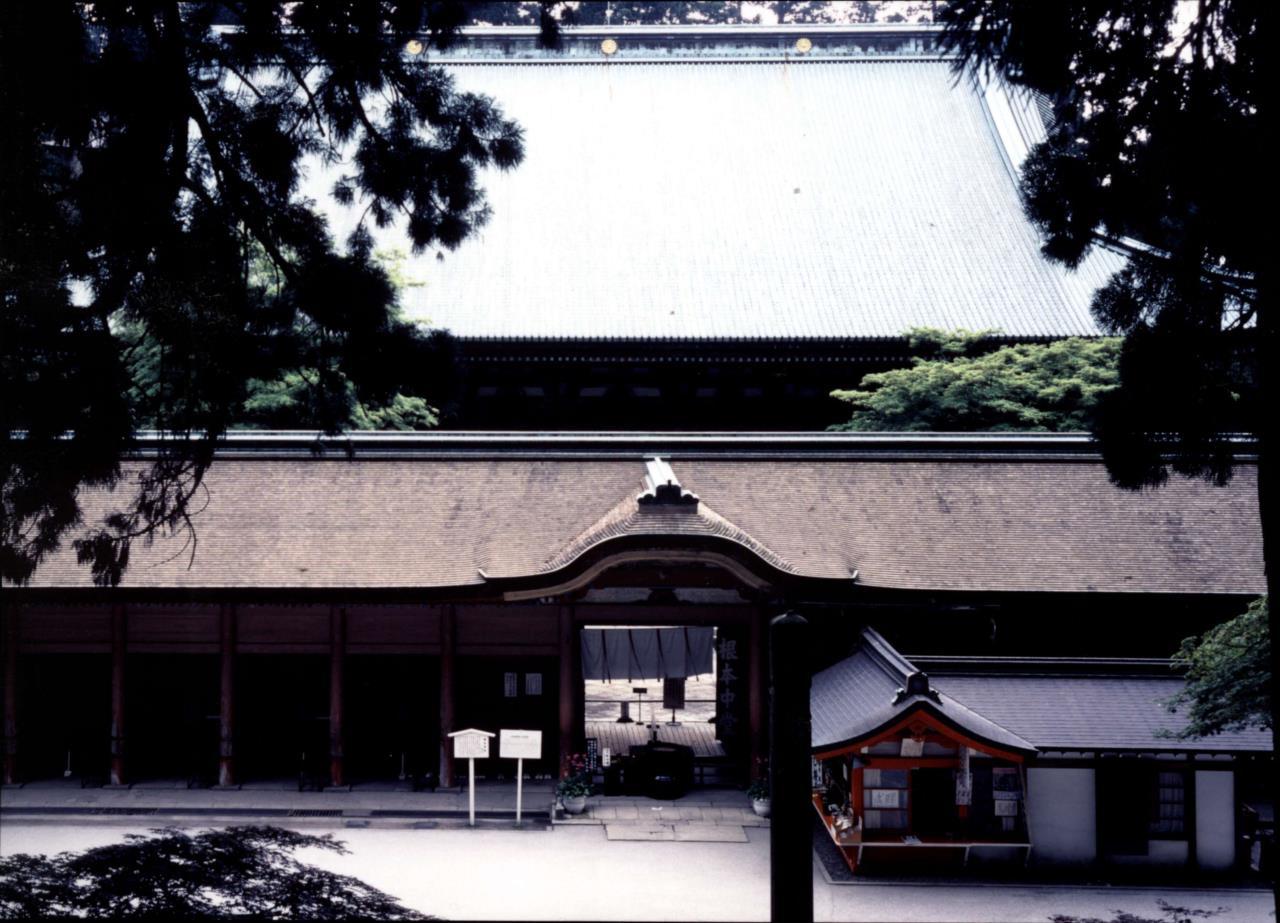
(283, 717)
(64, 719)
(171, 708)
(518, 693)
(392, 717)
(933, 806)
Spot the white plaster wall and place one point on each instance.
(1061, 814)
(1167, 852)
(1215, 819)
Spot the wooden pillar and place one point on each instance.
(568, 677)
(119, 629)
(337, 660)
(756, 682)
(791, 819)
(448, 647)
(9, 616)
(227, 696)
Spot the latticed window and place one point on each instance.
(884, 799)
(1169, 813)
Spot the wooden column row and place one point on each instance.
(119, 635)
(226, 696)
(448, 652)
(337, 663)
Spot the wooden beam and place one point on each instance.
(9, 617)
(756, 682)
(227, 695)
(337, 661)
(917, 717)
(119, 636)
(568, 732)
(448, 649)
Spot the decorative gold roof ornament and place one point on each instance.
(609, 46)
(803, 44)
(413, 46)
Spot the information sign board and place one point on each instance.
(516, 745)
(593, 753)
(471, 743)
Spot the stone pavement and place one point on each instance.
(704, 815)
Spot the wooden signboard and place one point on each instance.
(471, 744)
(519, 745)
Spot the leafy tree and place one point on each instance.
(1156, 143)
(657, 12)
(960, 382)
(150, 155)
(1228, 672)
(175, 874)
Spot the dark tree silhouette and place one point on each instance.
(1158, 142)
(173, 874)
(151, 157)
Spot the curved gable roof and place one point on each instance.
(980, 514)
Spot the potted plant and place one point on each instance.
(574, 786)
(758, 791)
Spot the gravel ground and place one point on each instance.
(574, 873)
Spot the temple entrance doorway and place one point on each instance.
(660, 688)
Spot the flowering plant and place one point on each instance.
(759, 789)
(575, 780)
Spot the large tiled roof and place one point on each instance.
(896, 512)
(1088, 712)
(1018, 705)
(691, 197)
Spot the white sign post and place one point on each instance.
(519, 745)
(472, 744)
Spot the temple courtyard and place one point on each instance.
(703, 857)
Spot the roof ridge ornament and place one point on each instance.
(662, 487)
(917, 684)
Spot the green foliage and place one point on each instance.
(1157, 137)
(1228, 673)
(172, 874)
(288, 402)
(159, 263)
(959, 383)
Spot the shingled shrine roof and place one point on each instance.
(718, 184)
(985, 513)
(1063, 706)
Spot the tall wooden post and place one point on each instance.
(568, 730)
(757, 689)
(791, 819)
(119, 629)
(337, 661)
(227, 696)
(9, 616)
(448, 646)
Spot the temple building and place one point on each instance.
(712, 229)
(1067, 759)
(715, 227)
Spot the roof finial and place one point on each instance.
(917, 684)
(662, 487)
